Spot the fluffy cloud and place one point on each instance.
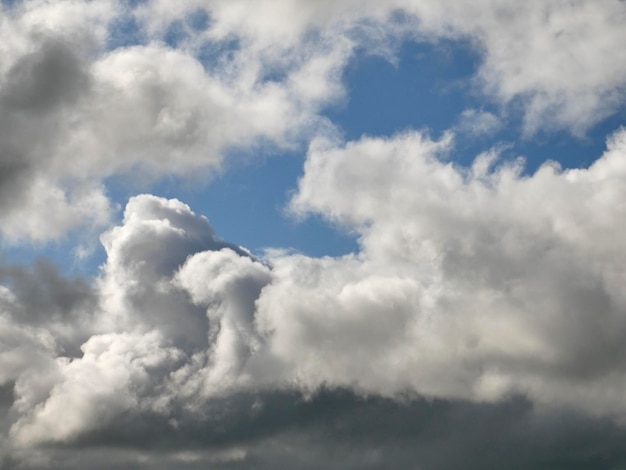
(172, 326)
(476, 293)
(495, 277)
(561, 60)
(75, 113)
(81, 104)
(470, 284)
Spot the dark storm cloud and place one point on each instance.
(374, 433)
(336, 429)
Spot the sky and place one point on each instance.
(241, 234)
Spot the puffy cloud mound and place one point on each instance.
(172, 325)
(472, 284)
(478, 294)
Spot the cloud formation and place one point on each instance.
(471, 285)
(150, 89)
(479, 294)
(508, 282)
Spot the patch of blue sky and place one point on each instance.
(133, 3)
(175, 33)
(181, 29)
(198, 20)
(73, 255)
(9, 3)
(569, 151)
(426, 89)
(429, 88)
(124, 31)
(213, 54)
(247, 204)
(562, 146)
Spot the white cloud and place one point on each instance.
(227, 284)
(48, 210)
(116, 374)
(501, 282)
(469, 284)
(76, 113)
(478, 123)
(562, 59)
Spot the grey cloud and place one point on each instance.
(74, 113)
(43, 295)
(145, 254)
(44, 81)
(6, 401)
(338, 429)
(14, 172)
(39, 82)
(32, 91)
(167, 324)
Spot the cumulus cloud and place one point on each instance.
(477, 293)
(80, 105)
(494, 277)
(561, 60)
(471, 285)
(170, 324)
(38, 87)
(75, 112)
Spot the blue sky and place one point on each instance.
(294, 234)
